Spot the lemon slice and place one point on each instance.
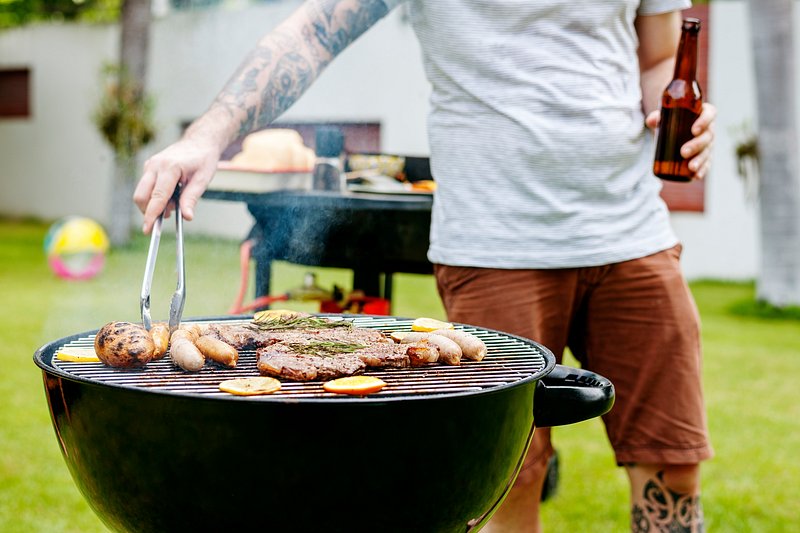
(77, 355)
(397, 336)
(429, 324)
(250, 386)
(356, 385)
(272, 314)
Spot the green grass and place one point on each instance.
(751, 364)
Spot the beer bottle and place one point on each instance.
(680, 107)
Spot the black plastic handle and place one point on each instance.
(568, 395)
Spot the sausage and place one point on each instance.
(471, 346)
(422, 352)
(183, 351)
(218, 351)
(124, 345)
(449, 352)
(160, 334)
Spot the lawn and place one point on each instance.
(750, 367)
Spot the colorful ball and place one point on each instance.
(76, 248)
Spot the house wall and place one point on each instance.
(55, 163)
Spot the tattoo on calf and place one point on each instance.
(663, 510)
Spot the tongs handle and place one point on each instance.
(179, 296)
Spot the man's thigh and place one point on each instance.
(535, 304)
(642, 332)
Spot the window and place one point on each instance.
(15, 93)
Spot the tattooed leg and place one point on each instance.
(659, 509)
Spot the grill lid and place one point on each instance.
(510, 360)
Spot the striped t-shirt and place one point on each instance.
(537, 135)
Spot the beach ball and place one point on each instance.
(76, 248)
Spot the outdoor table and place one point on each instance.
(370, 234)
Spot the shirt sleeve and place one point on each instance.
(652, 7)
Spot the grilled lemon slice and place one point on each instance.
(355, 385)
(250, 386)
(77, 355)
(429, 324)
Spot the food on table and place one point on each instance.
(423, 185)
(77, 355)
(124, 345)
(471, 346)
(429, 324)
(355, 385)
(250, 386)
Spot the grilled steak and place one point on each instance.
(329, 353)
(284, 361)
(248, 337)
(383, 354)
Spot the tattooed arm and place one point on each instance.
(272, 77)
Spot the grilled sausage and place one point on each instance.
(183, 351)
(160, 334)
(124, 345)
(422, 352)
(218, 351)
(471, 346)
(449, 352)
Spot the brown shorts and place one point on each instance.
(634, 322)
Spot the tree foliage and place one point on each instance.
(15, 13)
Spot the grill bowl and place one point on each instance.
(159, 450)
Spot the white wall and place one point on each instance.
(722, 242)
(55, 163)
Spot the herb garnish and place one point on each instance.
(300, 322)
(324, 348)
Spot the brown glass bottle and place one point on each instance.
(680, 107)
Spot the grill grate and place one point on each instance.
(509, 359)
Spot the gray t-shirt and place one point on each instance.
(537, 135)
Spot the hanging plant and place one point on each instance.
(747, 159)
(124, 115)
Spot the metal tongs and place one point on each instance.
(179, 296)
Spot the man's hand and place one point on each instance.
(698, 150)
(191, 163)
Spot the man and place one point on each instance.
(542, 159)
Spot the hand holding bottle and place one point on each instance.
(682, 135)
(697, 151)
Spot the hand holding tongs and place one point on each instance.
(179, 296)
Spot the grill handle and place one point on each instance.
(568, 395)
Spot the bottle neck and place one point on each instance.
(686, 61)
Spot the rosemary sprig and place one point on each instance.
(324, 348)
(301, 322)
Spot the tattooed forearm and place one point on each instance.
(661, 510)
(290, 78)
(338, 23)
(287, 61)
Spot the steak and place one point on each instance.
(329, 354)
(248, 337)
(283, 361)
(315, 353)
